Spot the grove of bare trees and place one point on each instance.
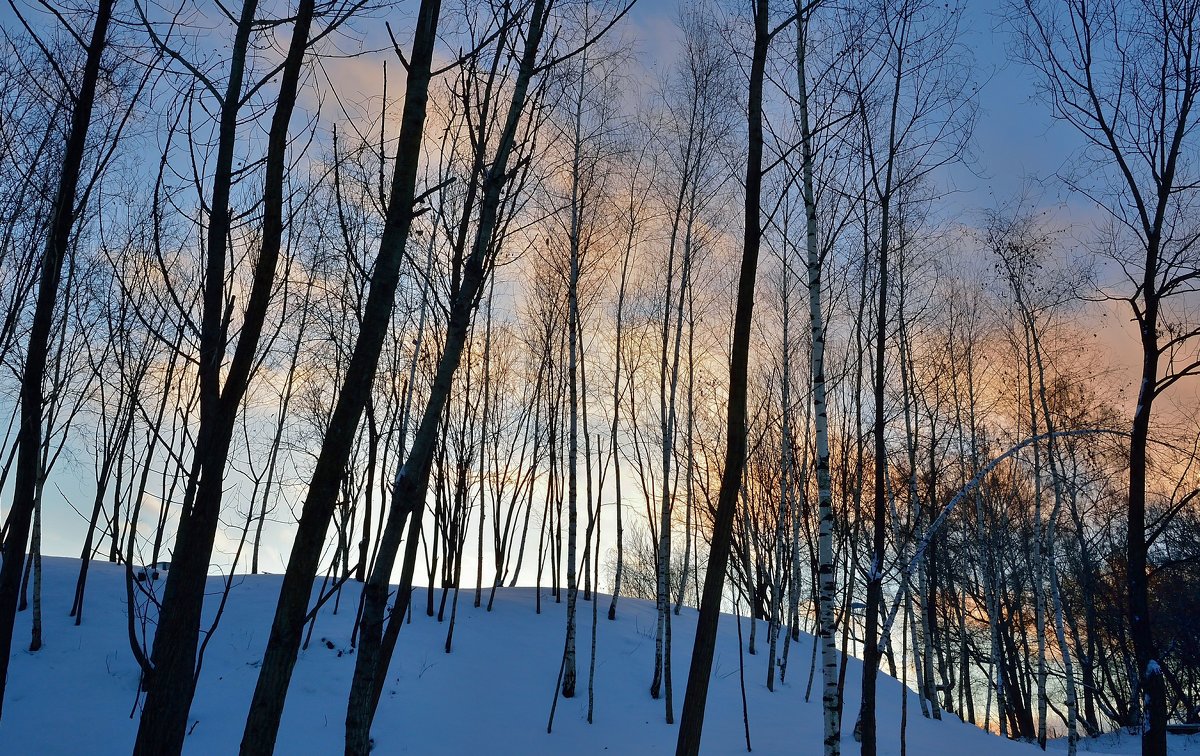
(470, 295)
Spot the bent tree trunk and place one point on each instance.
(62, 220)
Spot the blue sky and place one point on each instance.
(1015, 140)
(1015, 137)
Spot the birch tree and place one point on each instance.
(827, 589)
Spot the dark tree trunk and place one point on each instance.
(865, 729)
(412, 480)
(172, 682)
(25, 486)
(266, 708)
(1149, 668)
(692, 719)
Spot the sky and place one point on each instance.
(1015, 138)
(1016, 143)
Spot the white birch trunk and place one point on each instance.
(568, 683)
(827, 595)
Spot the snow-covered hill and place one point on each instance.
(492, 695)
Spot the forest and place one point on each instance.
(617, 300)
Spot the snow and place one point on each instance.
(1125, 742)
(491, 695)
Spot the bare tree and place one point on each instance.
(915, 117)
(171, 684)
(262, 723)
(411, 482)
(59, 232)
(1126, 76)
(692, 718)
(825, 566)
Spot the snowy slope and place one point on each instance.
(491, 695)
